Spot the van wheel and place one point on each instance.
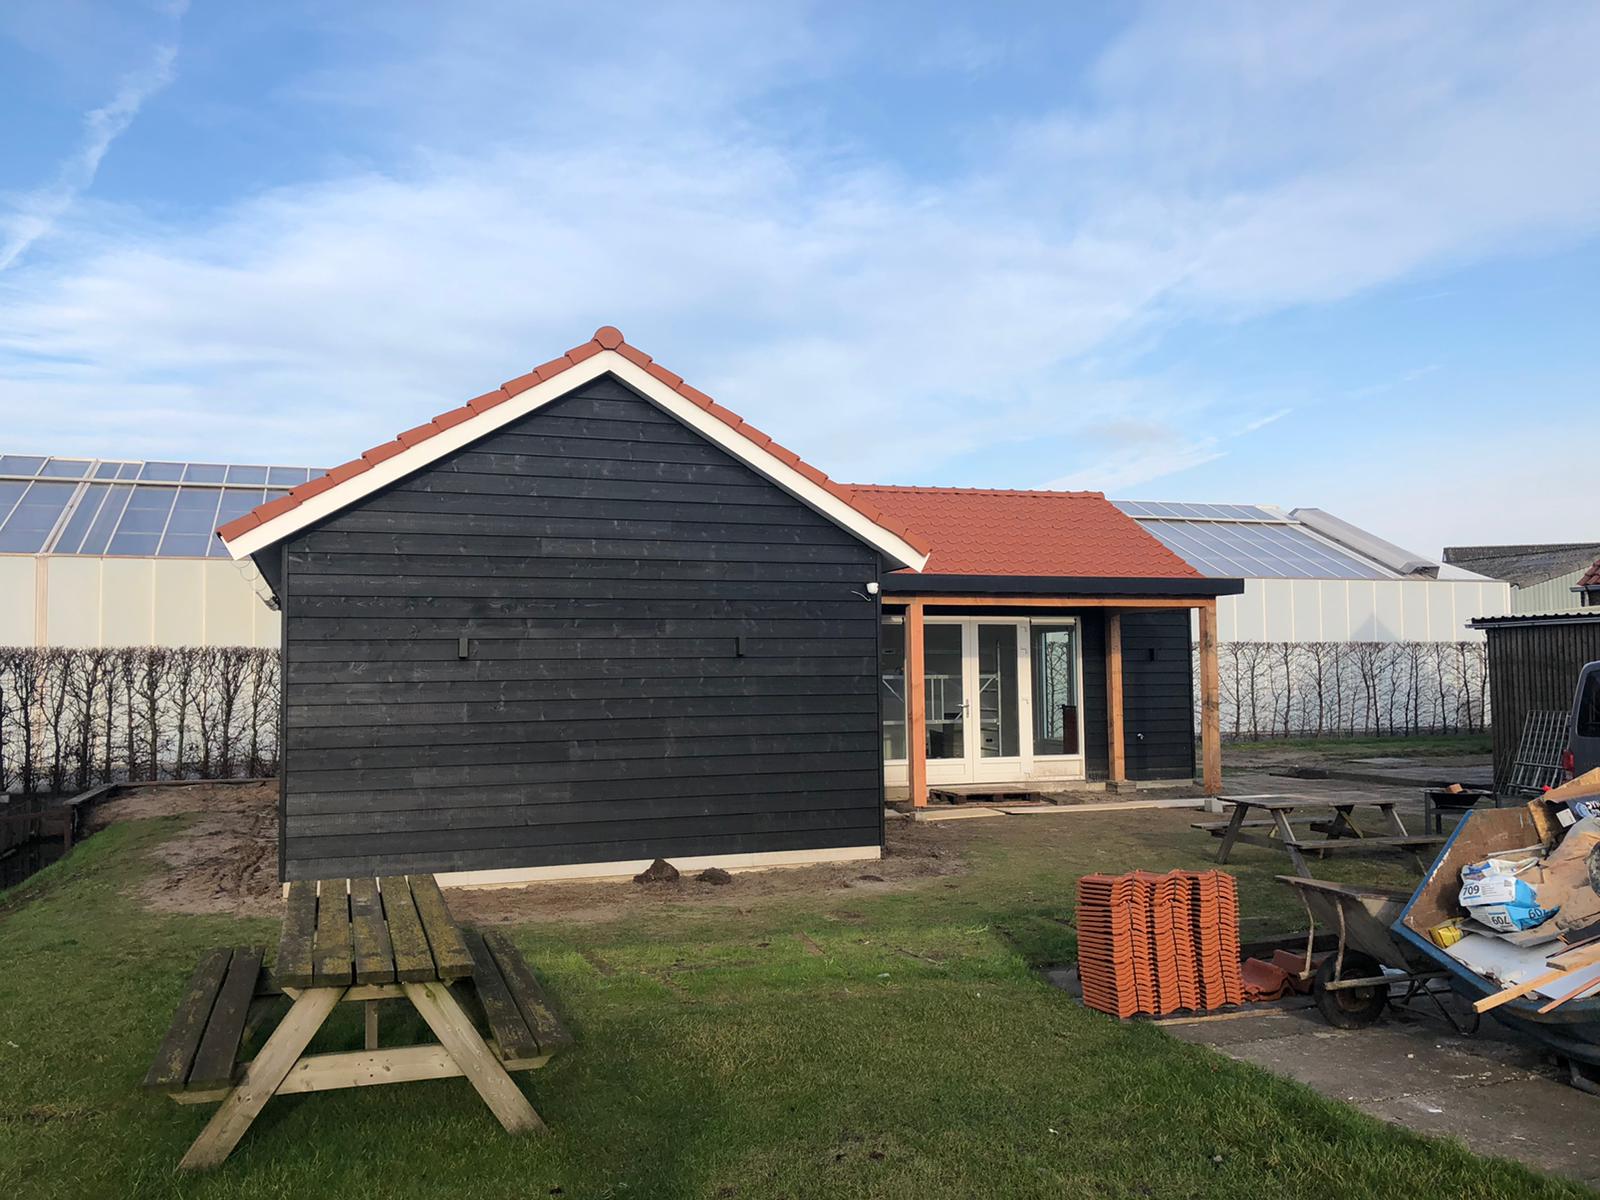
(1349, 1008)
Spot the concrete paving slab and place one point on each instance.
(1496, 1093)
(1371, 1064)
(1536, 1121)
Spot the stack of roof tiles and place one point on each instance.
(1158, 944)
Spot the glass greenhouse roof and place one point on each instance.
(1246, 541)
(137, 509)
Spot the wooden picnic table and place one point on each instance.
(361, 940)
(1338, 827)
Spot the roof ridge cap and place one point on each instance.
(975, 491)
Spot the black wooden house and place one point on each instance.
(592, 618)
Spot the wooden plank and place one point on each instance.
(261, 1079)
(1506, 995)
(1116, 740)
(176, 1053)
(511, 1032)
(412, 959)
(1210, 703)
(219, 1049)
(333, 960)
(294, 966)
(374, 956)
(451, 958)
(916, 707)
(547, 1028)
(364, 1068)
(456, 1033)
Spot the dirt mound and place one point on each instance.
(225, 861)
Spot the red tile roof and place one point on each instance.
(607, 337)
(977, 531)
(1591, 577)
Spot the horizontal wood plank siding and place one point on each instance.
(666, 655)
(1158, 694)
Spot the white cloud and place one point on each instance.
(34, 214)
(881, 322)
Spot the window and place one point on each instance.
(1588, 714)
(1055, 689)
(892, 685)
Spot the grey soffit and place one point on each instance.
(127, 508)
(1247, 541)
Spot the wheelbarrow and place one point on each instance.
(1353, 985)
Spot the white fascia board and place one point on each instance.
(414, 458)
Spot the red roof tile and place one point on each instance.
(1059, 534)
(607, 337)
(1591, 577)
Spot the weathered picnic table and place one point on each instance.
(1338, 827)
(360, 940)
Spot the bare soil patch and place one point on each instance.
(915, 852)
(225, 861)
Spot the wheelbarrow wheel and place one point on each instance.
(1349, 1008)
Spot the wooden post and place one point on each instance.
(916, 709)
(1210, 703)
(1114, 725)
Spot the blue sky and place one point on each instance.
(1319, 254)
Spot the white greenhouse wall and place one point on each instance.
(1359, 610)
(71, 600)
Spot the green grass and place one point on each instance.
(1449, 745)
(718, 1054)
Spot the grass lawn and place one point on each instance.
(833, 1044)
(1442, 745)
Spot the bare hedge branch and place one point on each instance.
(1334, 689)
(70, 718)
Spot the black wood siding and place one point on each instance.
(1158, 694)
(665, 658)
(1532, 668)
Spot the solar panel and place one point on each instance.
(34, 516)
(95, 507)
(1256, 549)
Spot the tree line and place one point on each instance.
(1313, 689)
(71, 718)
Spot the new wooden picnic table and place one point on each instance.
(360, 940)
(1338, 828)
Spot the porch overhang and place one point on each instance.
(917, 594)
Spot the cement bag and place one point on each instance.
(1497, 892)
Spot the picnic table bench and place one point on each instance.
(360, 940)
(1338, 827)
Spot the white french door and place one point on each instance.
(980, 686)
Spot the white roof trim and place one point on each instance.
(342, 495)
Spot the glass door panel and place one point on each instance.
(945, 691)
(999, 733)
(1055, 689)
(892, 684)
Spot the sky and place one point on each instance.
(1318, 254)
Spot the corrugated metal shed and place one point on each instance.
(1534, 663)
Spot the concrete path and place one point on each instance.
(1492, 1092)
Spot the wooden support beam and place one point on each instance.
(916, 709)
(1210, 704)
(1114, 722)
